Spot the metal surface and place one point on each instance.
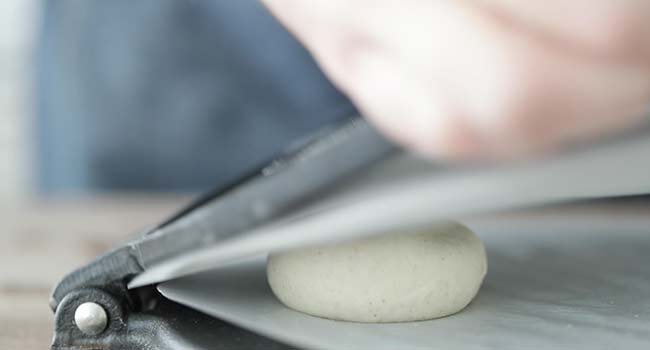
(290, 181)
(554, 282)
(308, 168)
(343, 183)
(406, 192)
(90, 318)
(67, 334)
(167, 326)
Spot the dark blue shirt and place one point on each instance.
(169, 94)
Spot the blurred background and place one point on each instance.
(18, 26)
(114, 114)
(151, 96)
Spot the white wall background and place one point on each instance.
(18, 24)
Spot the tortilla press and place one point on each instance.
(344, 181)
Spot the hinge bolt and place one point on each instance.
(90, 318)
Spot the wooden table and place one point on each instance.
(41, 241)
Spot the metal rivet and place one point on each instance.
(90, 318)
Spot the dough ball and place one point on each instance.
(392, 278)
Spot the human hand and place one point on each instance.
(483, 79)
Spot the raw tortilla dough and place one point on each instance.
(394, 278)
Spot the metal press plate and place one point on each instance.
(574, 279)
(406, 193)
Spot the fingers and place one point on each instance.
(615, 29)
(452, 79)
(408, 111)
(506, 94)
